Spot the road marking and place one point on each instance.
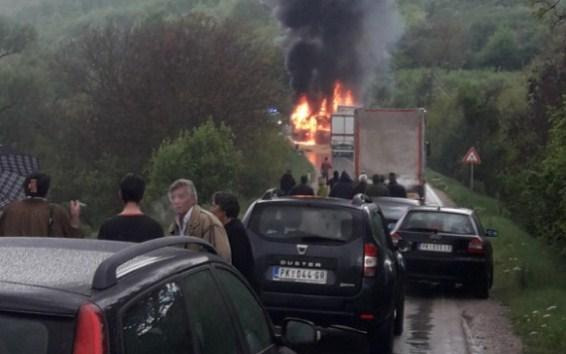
(432, 197)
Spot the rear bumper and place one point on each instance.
(332, 310)
(454, 269)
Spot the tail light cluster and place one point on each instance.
(370, 260)
(476, 246)
(89, 336)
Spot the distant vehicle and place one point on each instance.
(446, 244)
(394, 208)
(329, 261)
(342, 132)
(63, 296)
(380, 141)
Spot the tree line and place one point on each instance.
(162, 95)
(491, 74)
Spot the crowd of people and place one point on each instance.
(36, 216)
(341, 185)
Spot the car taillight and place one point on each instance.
(370, 260)
(395, 238)
(476, 246)
(89, 336)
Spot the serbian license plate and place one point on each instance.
(435, 247)
(300, 275)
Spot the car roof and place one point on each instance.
(463, 211)
(36, 269)
(312, 200)
(396, 200)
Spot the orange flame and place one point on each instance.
(311, 126)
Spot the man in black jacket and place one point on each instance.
(344, 188)
(287, 182)
(303, 188)
(226, 208)
(395, 189)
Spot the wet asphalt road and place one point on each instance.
(437, 317)
(434, 323)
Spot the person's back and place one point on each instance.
(131, 228)
(361, 186)
(35, 216)
(344, 188)
(378, 188)
(287, 182)
(395, 189)
(303, 188)
(131, 224)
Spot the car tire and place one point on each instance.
(480, 288)
(399, 317)
(381, 338)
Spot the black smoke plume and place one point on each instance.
(336, 40)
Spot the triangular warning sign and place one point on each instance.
(472, 157)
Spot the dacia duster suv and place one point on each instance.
(63, 296)
(330, 261)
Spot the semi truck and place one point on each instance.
(381, 141)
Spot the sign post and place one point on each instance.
(472, 158)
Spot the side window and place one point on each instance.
(157, 323)
(208, 315)
(250, 314)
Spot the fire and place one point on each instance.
(311, 126)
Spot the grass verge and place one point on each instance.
(530, 276)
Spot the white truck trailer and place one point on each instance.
(385, 140)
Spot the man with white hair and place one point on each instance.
(192, 220)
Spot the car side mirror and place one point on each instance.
(491, 232)
(299, 332)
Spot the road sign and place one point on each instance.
(472, 157)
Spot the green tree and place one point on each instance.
(207, 156)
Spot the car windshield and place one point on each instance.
(438, 222)
(306, 223)
(35, 335)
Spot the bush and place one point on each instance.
(207, 156)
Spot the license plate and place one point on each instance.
(435, 247)
(300, 275)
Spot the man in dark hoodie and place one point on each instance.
(287, 182)
(344, 188)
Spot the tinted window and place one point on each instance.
(286, 222)
(157, 323)
(208, 315)
(35, 335)
(249, 312)
(438, 221)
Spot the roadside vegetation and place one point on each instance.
(491, 75)
(165, 88)
(529, 273)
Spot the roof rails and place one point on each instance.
(105, 275)
(360, 199)
(272, 193)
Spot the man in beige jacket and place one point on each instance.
(192, 220)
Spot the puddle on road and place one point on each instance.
(420, 327)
